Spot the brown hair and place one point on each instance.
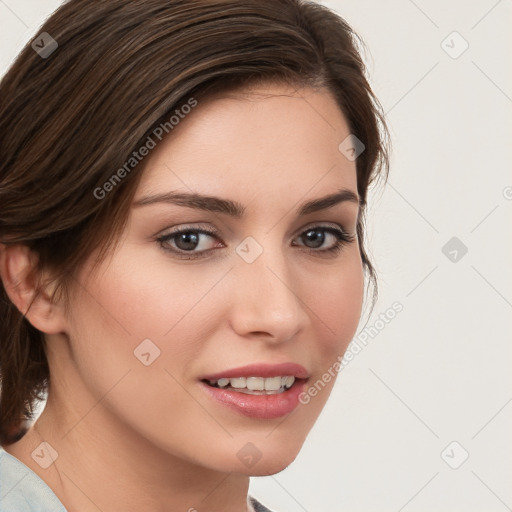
(71, 119)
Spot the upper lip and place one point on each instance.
(261, 370)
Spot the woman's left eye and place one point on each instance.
(189, 243)
(340, 236)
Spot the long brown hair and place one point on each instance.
(72, 117)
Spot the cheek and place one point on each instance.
(123, 306)
(127, 304)
(153, 301)
(336, 299)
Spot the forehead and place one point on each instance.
(273, 139)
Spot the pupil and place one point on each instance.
(187, 241)
(317, 237)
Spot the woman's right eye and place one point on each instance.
(187, 242)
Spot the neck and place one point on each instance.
(97, 467)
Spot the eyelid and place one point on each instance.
(190, 227)
(323, 224)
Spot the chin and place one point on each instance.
(270, 467)
(272, 459)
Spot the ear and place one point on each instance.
(20, 280)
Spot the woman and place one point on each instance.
(182, 195)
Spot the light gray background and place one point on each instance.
(440, 370)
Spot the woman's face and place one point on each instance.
(264, 288)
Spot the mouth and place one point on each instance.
(260, 391)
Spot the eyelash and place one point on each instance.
(342, 238)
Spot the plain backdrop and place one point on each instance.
(420, 419)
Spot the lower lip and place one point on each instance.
(259, 406)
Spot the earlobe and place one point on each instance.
(20, 280)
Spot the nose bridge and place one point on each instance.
(267, 299)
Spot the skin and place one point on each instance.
(132, 437)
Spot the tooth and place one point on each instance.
(222, 383)
(256, 383)
(289, 381)
(272, 383)
(239, 382)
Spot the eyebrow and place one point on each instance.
(236, 209)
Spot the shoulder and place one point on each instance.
(258, 507)
(22, 490)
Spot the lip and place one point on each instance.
(261, 370)
(258, 406)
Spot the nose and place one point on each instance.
(267, 298)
